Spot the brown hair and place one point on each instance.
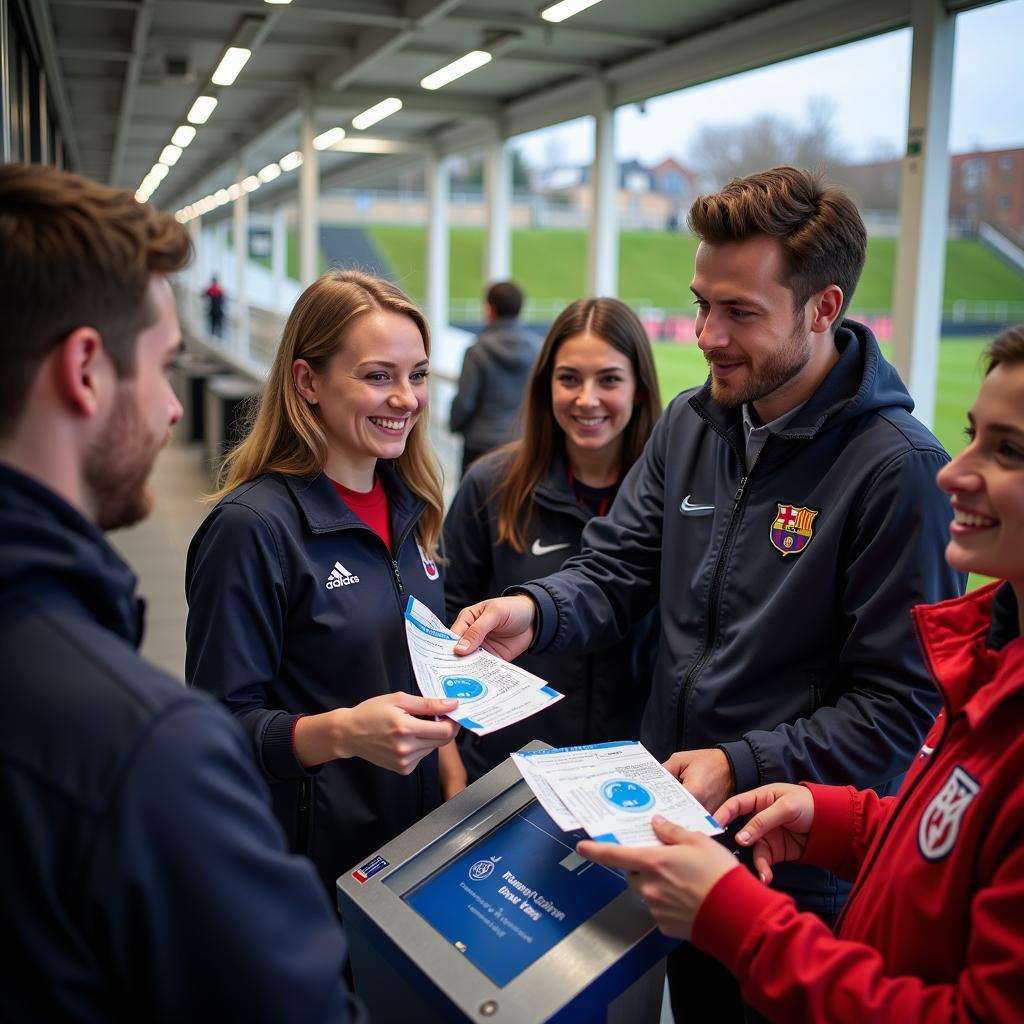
(74, 253)
(822, 235)
(614, 322)
(505, 298)
(286, 434)
(1006, 347)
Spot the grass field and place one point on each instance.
(655, 268)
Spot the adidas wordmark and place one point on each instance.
(340, 577)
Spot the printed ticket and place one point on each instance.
(611, 791)
(492, 693)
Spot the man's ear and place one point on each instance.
(80, 367)
(825, 308)
(305, 381)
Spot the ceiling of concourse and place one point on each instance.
(127, 72)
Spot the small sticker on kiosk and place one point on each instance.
(369, 869)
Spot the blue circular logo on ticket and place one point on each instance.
(627, 795)
(463, 688)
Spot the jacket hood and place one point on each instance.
(510, 346)
(861, 381)
(49, 550)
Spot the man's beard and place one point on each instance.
(777, 368)
(118, 464)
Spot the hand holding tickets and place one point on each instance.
(611, 791)
(491, 692)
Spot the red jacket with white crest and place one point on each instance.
(934, 927)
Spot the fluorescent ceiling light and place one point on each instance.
(234, 59)
(328, 138)
(470, 62)
(181, 216)
(277, 1)
(221, 196)
(183, 135)
(291, 160)
(158, 172)
(566, 9)
(170, 155)
(269, 173)
(202, 109)
(251, 183)
(377, 113)
(234, 191)
(141, 195)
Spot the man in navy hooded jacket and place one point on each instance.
(784, 520)
(144, 876)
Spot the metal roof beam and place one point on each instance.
(419, 102)
(517, 23)
(143, 19)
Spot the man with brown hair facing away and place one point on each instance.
(495, 369)
(145, 878)
(783, 519)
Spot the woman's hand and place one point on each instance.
(783, 815)
(673, 879)
(384, 730)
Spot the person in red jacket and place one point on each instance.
(934, 926)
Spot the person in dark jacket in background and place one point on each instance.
(297, 581)
(145, 878)
(215, 306)
(783, 521)
(494, 374)
(590, 405)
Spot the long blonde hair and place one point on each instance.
(286, 434)
(531, 457)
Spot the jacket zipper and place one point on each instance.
(421, 788)
(904, 795)
(712, 608)
(303, 820)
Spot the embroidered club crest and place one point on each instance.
(793, 528)
(940, 823)
(429, 566)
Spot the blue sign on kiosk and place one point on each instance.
(484, 911)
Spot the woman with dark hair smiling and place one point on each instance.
(590, 405)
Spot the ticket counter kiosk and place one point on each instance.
(483, 911)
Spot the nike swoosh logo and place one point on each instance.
(545, 549)
(689, 509)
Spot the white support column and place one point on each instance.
(498, 197)
(240, 303)
(924, 206)
(278, 254)
(437, 175)
(603, 263)
(309, 195)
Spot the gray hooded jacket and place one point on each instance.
(494, 375)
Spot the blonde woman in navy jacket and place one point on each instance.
(328, 520)
(591, 403)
